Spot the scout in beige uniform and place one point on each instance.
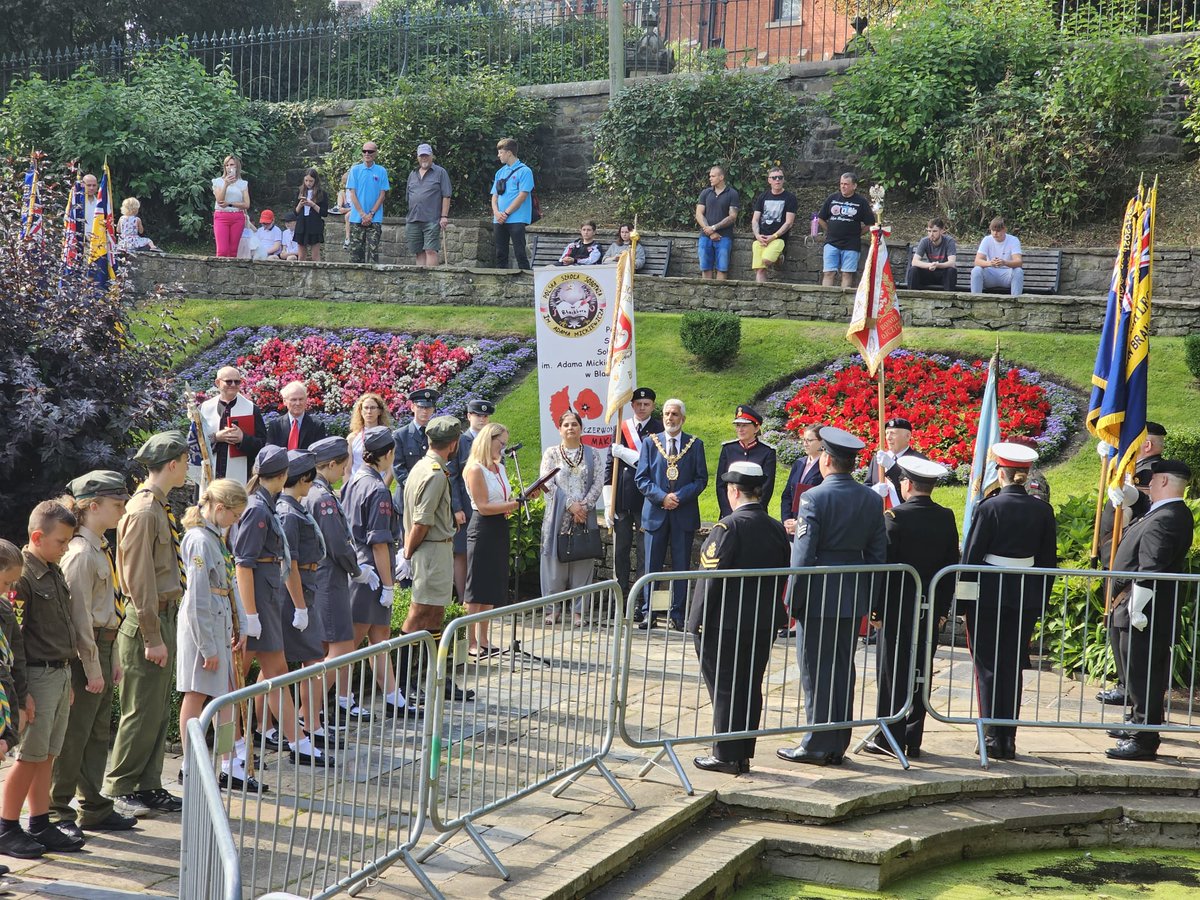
(43, 605)
(428, 554)
(151, 575)
(97, 608)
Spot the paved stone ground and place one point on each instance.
(531, 719)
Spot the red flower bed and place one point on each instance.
(940, 396)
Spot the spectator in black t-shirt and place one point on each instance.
(774, 216)
(932, 266)
(585, 250)
(716, 211)
(845, 218)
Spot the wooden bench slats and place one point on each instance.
(546, 248)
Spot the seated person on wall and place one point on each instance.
(584, 250)
(623, 243)
(998, 261)
(933, 263)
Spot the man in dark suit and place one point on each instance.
(671, 475)
(897, 435)
(412, 445)
(1134, 501)
(840, 523)
(1157, 542)
(479, 413)
(296, 429)
(922, 534)
(746, 447)
(734, 619)
(624, 513)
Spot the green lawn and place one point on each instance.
(771, 350)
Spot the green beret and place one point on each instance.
(162, 448)
(443, 429)
(100, 483)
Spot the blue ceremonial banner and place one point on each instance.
(1104, 352)
(983, 464)
(31, 207)
(1122, 421)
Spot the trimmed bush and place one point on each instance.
(714, 337)
(1191, 354)
(1184, 444)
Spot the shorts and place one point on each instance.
(423, 236)
(717, 251)
(433, 573)
(51, 693)
(760, 255)
(835, 260)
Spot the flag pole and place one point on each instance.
(1099, 511)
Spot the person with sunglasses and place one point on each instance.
(774, 216)
(233, 428)
(367, 187)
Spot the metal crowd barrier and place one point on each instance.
(1034, 633)
(664, 699)
(317, 830)
(542, 712)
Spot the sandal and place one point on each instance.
(553, 618)
(577, 620)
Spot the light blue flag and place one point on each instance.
(983, 464)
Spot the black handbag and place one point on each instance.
(579, 542)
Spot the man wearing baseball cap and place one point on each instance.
(746, 447)
(428, 193)
(270, 237)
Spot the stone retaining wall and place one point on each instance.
(232, 279)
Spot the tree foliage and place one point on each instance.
(78, 390)
(657, 140)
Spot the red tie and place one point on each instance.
(294, 436)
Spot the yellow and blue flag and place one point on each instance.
(1122, 420)
(983, 464)
(103, 238)
(31, 206)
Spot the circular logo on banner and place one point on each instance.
(572, 305)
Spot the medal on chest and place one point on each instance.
(672, 461)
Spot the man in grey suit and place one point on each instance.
(839, 523)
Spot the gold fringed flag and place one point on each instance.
(620, 367)
(875, 326)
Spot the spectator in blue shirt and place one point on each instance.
(512, 204)
(366, 189)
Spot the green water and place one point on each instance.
(1045, 875)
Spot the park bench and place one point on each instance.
(546, 248)
(1043, 269)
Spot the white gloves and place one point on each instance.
(300, 619)
(403, 568)
(386, 597)
(367, 576)
(625, 454)
(1124, 496)
(1104, 450)
(1139, 598)
(886, 459)
(253, 625)
(882, 489)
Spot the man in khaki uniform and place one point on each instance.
(152, 576)
(428, 553)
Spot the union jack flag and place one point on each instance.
(73, 226)
(31, 206)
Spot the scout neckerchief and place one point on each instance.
(285, 564)
(118, 597)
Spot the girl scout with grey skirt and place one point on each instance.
(307, 547)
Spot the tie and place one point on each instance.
(294, 436)
(175, 538)
(674, 447)
(220, 448)
(118, 599)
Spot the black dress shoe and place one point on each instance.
(913, 752)
(71, 830)
(226, 782)
(454, 692)
(55, 840)
(786, 633)
(1131, 750)
(676, 624)
(327, 741)
(1113, 697)
(647, 624)
(1121, 734)
(639, 617)
(712, 764)
(268, 742)
(811, 757)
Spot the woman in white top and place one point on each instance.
(369, 410)
(232, 197)
(487, 533)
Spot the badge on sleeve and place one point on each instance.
(801, 527)
(198, 561)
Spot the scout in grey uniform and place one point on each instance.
(339, 566)
(374, 529)
(307, 546)
(89, 566)
(479, 412)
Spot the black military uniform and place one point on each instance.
(734, 620)
(411, 447)
(755, 452)
(922, 534)
(627, 499)
(1010, 530)
(1157, 542)
(893, 473)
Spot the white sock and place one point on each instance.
(346, 703)
(304, 745)
(396, 698)
(320, 732)
(272, 734)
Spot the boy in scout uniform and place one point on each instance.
(43, 602)
(151, 575)
(98, 501)
(428, 554)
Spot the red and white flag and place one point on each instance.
(620, 366)
(875, 325)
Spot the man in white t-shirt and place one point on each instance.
(998, 261)
(270, 238)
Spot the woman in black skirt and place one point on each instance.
(312, 206)
(487, 534)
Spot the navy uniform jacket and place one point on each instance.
(747, 538)
(894, 473)
(629, 499)
(758, 452)
(651, 480)
(796, 479)
(922, 534)
(460, 500)
(302, 539)
(411, 446)
(1128, 517)
(1015, 525)
(279, 428)
(1157, 542)
(840, 523)
(371, 515)
(339, 563)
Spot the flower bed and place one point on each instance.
(339, 366)
(941, 396)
